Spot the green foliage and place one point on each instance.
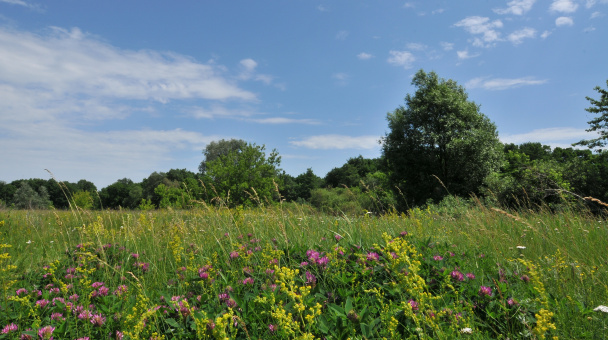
(123, 193)
(216, 149)
(245, 176)
(598, 124)
(26, 198)
(439, 143)
(83, 200)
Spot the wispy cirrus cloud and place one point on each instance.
(518, 36)
(401, 58)
(464, 54)
(502, 83)
(516, 7)
(483, 29)
(338, 142)
(22, 3)
(558, 136)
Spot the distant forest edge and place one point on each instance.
(440, 149)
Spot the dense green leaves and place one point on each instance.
(598, 124)
(439, 143)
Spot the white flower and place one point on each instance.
(29, 242)
(601, 309)
(466, 331)
(520, 247)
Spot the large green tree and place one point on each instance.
(439, 142)
(598, 124)
(244, 176)
(219, 148)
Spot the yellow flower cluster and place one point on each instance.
(5, 266)
(543, 323)
(135, 322)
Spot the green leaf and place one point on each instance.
(173, 323)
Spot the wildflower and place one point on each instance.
(456, 275)
(466, 331)
(352, 316)
(603, 309)
(304, 264)
(525, 278)
(373, 256)
(403, 233)
(437, 258)
(57, 317)
(234, 255)
(485, 291)
(269, 271)
(337, 237)
(11, 327)
(231, 303)
(26, 336)
(223, 296)
(42, 303)
(520, 247)
(135, 256)
(210, 325)
(511, 302)
(322, 262)
(272, 328)
(470, 276)
(310, 278)
(119, 335)
(414, 304)
(21, 291)
(98, 320)
(103, 291)
(97, 284)
(46, 332)
(85, 338)
(248, 280)
(85, 315)
(74, 297)
(203, 275)
(120, 290)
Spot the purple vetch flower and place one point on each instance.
(234, 255)
(310, 278)
(85, 315)
(42, 303)
(437, 258)
(414, 304)
(272, 328)
(119, 335)
(103, 291)
(231, 303)
(269, 271)
(135, 256)
(304, 264)
(46, 332)
(322, 262)
(84, 338)
(210, 325)
(394, 255)
(525, 278)
(485, 291)
(337, 237)
(98, 320)
(470, 276)
(11, 327)
(456, 275)
(21, 291)
(403, 234)
(122, 289)
(373, 256)
(97, 284)
(248, 281)
(57, 317)
(512, 302)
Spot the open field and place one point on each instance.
(288, 272)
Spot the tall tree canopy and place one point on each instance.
(598, 124)
(222, 147)
(439, 142)
(244, 175)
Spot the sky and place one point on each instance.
(105, 90)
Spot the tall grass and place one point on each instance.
(564, 254)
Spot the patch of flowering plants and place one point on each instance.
(250, 289)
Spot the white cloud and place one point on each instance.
(416, 46)
(502, 83)
(409, 5)
(322, 8)
(465, 54)
(438, 11)
(596, 14)
(342, 35)
(249, 64)
(483, 27)
(341, 78)
(564, 21)
(21, 3)
(74, 63)
(563, 6)
(401, 58)
(283, 120)
(551, 136)
(338, 142)
(545, 34)
(589, 29)
(364, 56)
(517, 37)
(516, 7)
(447, 46)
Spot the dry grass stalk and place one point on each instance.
(518, 219)
(592, 199)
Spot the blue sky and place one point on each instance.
(102, 90)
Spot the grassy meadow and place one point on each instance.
(287, 272)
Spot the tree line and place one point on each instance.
(438, 145)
